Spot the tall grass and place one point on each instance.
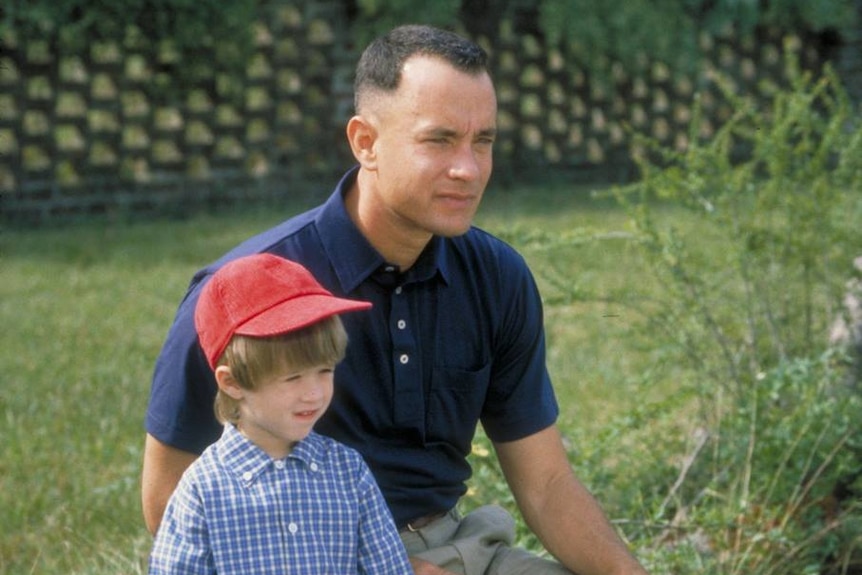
(773, 478)
(84, 311)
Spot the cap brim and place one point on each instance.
(297, 313)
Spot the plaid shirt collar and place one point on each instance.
(248, 462)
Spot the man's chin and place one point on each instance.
(453, 232)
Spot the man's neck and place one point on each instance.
(397, 247)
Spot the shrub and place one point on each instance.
(778, 191)
(626, 31)
(760, 497)
(779, 187)
(193, 35)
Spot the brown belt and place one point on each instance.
(423, 521)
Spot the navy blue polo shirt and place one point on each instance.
(456, 339)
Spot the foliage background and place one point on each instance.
(687, 328)
(172, 114)
(619, 30)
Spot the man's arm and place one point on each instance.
(560, 509)
(163, 467)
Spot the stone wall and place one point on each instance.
(82, 133)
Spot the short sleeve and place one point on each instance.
(521, 399)
(180, 410)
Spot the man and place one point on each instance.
(455, 336)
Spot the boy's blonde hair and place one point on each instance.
(252, 359)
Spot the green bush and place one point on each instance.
(668, 31)
(191, 36)
(376, 17)
(779, 186)
(621, 31)
(759, 496)
(777, 194)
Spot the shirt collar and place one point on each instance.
(431, 262)
(248, 461)
(353, 257)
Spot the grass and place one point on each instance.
(85, 309)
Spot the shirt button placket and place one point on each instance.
(409, 399)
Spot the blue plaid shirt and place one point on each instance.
(319, 510)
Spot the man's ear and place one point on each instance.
(362, 135)
(227, 383)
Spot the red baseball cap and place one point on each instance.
(262, 295)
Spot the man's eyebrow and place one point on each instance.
(450, 133)
(439, 131)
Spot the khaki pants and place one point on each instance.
(480, 543)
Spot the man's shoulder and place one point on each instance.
(286, 239)
(478, 238)
(292, 230)
(479, 245)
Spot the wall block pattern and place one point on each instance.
(83, 132)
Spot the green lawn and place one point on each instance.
(85, 309)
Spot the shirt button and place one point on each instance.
(313, 466)
(404, 359)
(247, 475)
(398, 290)
(279, 464)
(402, 324)
(293, 528)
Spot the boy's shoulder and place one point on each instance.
(328, 448)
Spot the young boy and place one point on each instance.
(272, 496)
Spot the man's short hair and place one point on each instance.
(380, 66)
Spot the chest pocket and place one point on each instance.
(455, 404)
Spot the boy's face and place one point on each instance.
(284, 407)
